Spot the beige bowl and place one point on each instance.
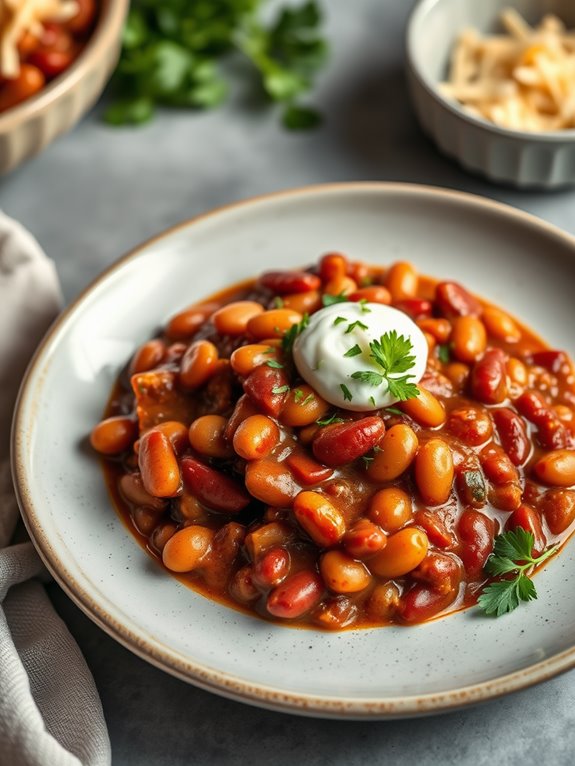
(27, 128)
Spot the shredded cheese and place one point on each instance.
(19, 17)
(524, 80)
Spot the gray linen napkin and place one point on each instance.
(50, 712)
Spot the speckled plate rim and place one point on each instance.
(211, 679)
(421, 9)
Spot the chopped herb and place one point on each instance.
(512, 554)
(354, 351)
(289, 337)
(329, 421)
(372, 400)
(270, 350)
(367, 460)
(278, 302)
(355, 324)
(394, 411)
(364, 307)
(347, 397)
(274, 364)
(330, 300)
(309, 398)
(280, 389)
(443, 354)
(339, 320)
(297, 395)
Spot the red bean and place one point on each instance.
(333, 266)
(470, 424)
(489, 377)
(512, 434)
(441, 571)
(242, 587)
(554, 361)
(364, 539)
(421, 602)
(558, 507)
(476, 532)
(286, 282)
(340, 444)
(213, 488)
(497, 465)
(296, 595)
(272, 568)
(372, 294)
(435, 528)
(527, 517)
(51, 62)
(416, 308)
(267, 388)
(453, 300)
(551, 433)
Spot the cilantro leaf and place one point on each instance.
(353, 351)
(274, 364)
(280, 389)
(512, 554)
(347, 397)
(329, 421)
(355, 324)
(369, 377)
(392, 352)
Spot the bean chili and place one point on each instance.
(244, 482)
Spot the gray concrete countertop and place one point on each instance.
(98, 192)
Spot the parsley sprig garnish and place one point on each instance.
(392, 354)
(512, 554)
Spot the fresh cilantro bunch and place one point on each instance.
(512, 555)
(172, 51)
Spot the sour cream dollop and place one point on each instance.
(319, 353)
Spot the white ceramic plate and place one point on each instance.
(512, 259)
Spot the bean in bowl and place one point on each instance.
(346, 446)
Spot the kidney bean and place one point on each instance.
(476, 532)
(306, 470)
(186, 549)
(390, 508)
(512, 434)
(267, 388)
(51, 62)
(551, 433)
(271, 569)
(416, 308)
(343, 574)
(395, 454)
(421, 602)
(558, 508)
(500, 325)
(468, 338)
(187, 507)
(242, 587)
(273, 535)
(132, 490)
(161, 534)
(506, 497)
(497, 465)
(404, 551)
(471, 488)
(470, 425)
(489, 377)
(207, 436)
(114, 435)
(303, 303)
(233, 318)
(223, 555)
(286, 282)
(425, 409)
(335, 613)
(302, 407)
(213, 488)
(372, 294)
(256, 437)
(383, 602)
(323, 522)
(402, 281)
(144, 519)
(198, 364)
(442, 571)
(340, 444)
(556, 468)
(554, 361)
(296, 595)
(434, 471)
(527, 517)
(271, 482)
(158, 465)
(272, 324)
(364, 539)
(332, 266)
(453, 300)
(434, 528)
(517, 372)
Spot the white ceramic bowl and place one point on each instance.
(545, 160)
(29, 127)
(386, 672)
